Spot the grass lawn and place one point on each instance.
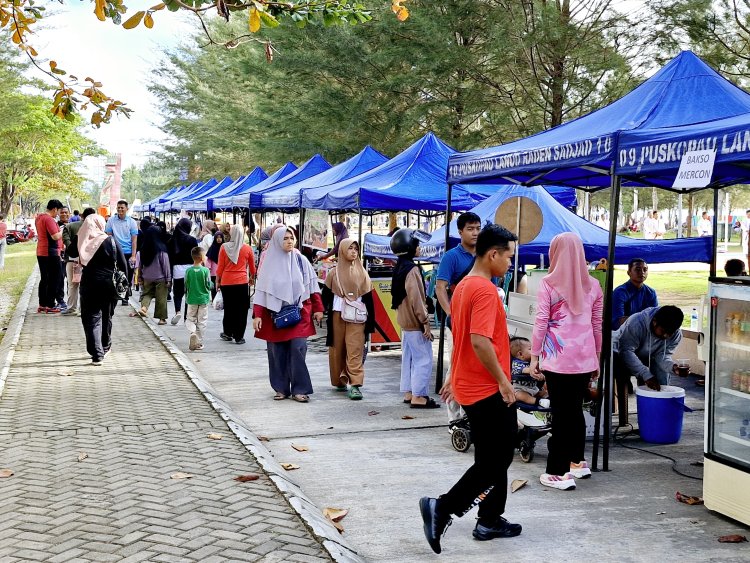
(20, 259)
(679, 287)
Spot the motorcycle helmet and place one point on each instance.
(404, 242)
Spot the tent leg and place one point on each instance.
(606, 377)
(715, 233)
(359, 234)
(441, 342)
(301, 230)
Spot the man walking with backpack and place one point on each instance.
(73, 268)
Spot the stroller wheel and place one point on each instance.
(461, 439)
(526, 452)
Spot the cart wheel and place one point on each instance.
(461, 439)
(527, 453)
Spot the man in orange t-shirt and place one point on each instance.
(480, 382)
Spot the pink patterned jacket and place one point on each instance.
(564, 342)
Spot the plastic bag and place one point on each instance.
(218, 301)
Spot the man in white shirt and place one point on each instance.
(705, 228)
(659, 228)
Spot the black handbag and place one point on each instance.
(288, 315)
(119, 278)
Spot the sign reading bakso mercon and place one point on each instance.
(696, 169)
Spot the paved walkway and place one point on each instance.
(92, 450)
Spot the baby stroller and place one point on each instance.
(533, 423)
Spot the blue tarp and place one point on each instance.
(656, 153)
(197, 200)
(223, 199)
(171, 204)
(147, 206)
(243, 199)
(290, 197)
(557, 220)
(411, 180)
(581, 152)
(312, 167)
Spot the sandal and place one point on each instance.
(354, 393)
(301, 398)
(430, 404)
(279, 396)
(143, 312)
(133, 315)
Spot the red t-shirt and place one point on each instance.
(46, 226)
(476, 308)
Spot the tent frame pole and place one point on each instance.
(604, 385)
(359, 229)
(301, 231)
(715, 233)
(441, 342)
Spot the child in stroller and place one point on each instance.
(533, 406)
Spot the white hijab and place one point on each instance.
(233, 246)
(90, 237)
(285, 278)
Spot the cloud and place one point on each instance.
(121, 60)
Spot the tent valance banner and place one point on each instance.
(315, 233)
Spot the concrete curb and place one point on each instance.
(13, 334)
(328, 536)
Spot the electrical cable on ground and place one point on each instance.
(619, 440)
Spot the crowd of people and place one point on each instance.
(489, 373)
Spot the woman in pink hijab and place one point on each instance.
(565, 347)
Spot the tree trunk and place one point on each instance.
(654, 199)
(392, 221)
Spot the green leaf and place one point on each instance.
(268, 19)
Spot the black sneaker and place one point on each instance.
(500, 529)
(225, 337)
(435, 522)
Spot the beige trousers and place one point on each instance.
(346, 355)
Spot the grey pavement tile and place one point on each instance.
(138, 424)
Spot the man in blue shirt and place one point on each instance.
(125, 232)
(457, 262)
(634, 295)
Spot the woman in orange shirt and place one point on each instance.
(234, 275)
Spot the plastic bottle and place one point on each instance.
(694, 320)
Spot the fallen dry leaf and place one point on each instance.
(660, 513)
(407, 417)
(300, 448)
(65, 372)
(289, 466)
(335, 514)
(373, 413)
(732, 538)
(263, 439)
(246, 478)
(180, 475)
(6, 472)
(517, 484)
(215, 436)
(82, 456)
(337, 525)
(687, 499)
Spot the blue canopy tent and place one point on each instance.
(557, 220)
(413, 179)
(175, 203)
(167, 204)
(242, 199)
(290, 197)
(166, 196)
(146, 206)
(197, 200)
(312, 167)
(656, 153)
(582, 153)
(223, 199)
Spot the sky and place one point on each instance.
(118, 58)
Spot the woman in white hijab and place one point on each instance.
(287, 278)
(98, 254)
(234, 274)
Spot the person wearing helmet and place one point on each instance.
(409, 299)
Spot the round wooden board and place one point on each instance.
(530, 221)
